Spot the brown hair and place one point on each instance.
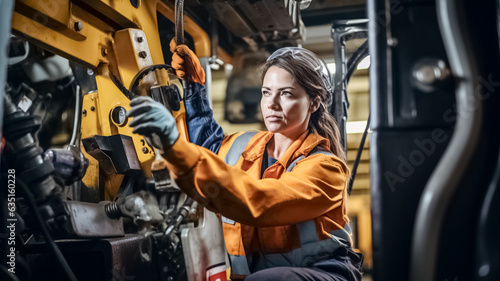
(321, 121)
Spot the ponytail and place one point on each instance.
(323, 124)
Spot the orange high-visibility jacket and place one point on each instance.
(293, 218)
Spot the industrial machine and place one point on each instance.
(99, 204)
(102, 205)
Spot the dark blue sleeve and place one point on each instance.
(201, 125)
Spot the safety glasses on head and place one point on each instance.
(314, 62)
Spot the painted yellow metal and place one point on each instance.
(69, 30)
(112, 186)
(103, 41)
(55, 15)
(162, 77)
(96, 120)
(91, 178)
(90, 127)
(120, 13)
(107, 98)
(127, 49)
(118, 99)
(83, 49)
(90, 122)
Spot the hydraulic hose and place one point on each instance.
(182, 213)
(179, 22)
(78, 117)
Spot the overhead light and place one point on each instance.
(331, 67)
(355, 127)
(365, 63)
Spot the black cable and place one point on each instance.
(352, 65)
(120, 86)
(355, 59)
(130, 94)
(67, 84)
(181, 214)
(48, 239)
(358, 157)
(77, 122)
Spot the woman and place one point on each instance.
(281, 193)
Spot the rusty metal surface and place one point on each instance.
(90, 220)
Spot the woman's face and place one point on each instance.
(285, 105)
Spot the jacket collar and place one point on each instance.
(301, 146)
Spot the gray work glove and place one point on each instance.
(153, 121)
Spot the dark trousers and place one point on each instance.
(341, 268)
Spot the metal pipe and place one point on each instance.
(78, 117)
(75, 138)
(446, 178)
(179, 22)
(200, 37)
(179, 31)
(297, 15)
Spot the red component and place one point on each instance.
(221, 276)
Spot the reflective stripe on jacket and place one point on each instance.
(291, 218)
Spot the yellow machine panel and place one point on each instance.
(114, 38)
